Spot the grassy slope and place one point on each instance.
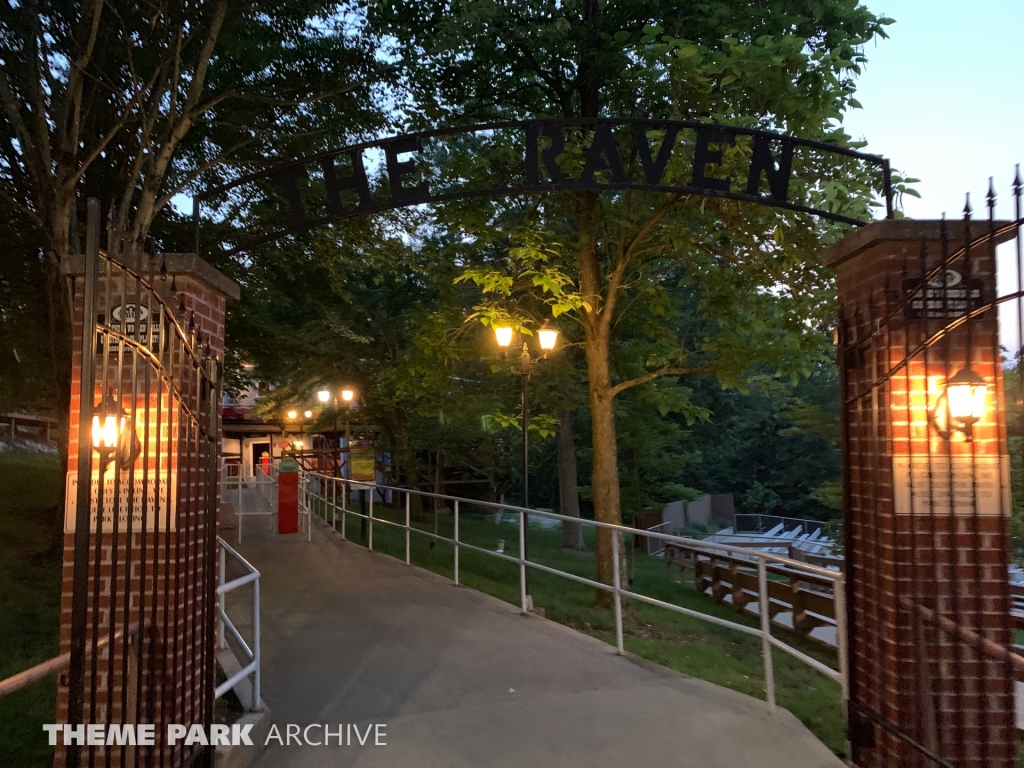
(30, 561)
(691, 646)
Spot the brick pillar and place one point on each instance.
(926, 564)
(153, 578)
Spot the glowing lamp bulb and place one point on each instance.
(292, 414)
(105, 434)
(308, 414)
(323, 395)
(347, 395)
(503, 334)
(548, 338)
(966, 392)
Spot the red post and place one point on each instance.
(288, 498)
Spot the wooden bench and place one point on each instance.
(807, 596)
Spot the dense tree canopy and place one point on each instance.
(683, 318)
(717, 287)
(134, 103)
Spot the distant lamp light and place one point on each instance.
(298, 445)
(323, 395)
(347, 395)
(503, 334)
(548, 338)
(308, 414)
(961, 405)
(111, 436)
(293, 415)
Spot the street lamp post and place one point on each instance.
(347, 395)
(323, 396)
(548, 337)
(292, 415)
(307, 415)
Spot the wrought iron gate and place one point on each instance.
(142, 504)
(926, 386)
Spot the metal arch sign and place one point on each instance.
(548, 155)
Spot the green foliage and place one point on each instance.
(775, 449)
(27, 374)
(655, 286)
(30, 574)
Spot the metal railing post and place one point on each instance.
(617, 584)
(344, 506)
(456, 542)
(522, 564)
(309, 511)
(334, 504)
(256, 676)
(370, 536)
(766, 631)
(408, 497)
(238, 513)
(221, 643)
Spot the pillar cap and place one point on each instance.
(188, 264)
(907, 230)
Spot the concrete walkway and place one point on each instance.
(462, 679)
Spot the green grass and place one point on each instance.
(30, 565)
(694, 647)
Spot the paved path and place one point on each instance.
(462, 679)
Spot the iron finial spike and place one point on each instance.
(192, 322)
(1017, 183)
(174, 283)
(181, 306)
(967, 207)
(991, 196)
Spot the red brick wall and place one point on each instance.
(929, 684)
(158, 578)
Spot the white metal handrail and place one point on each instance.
(251, 653)
(319, 491)
(234, 479)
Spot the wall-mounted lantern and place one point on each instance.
(961, 405)
(112, 437)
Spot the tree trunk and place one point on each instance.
(605, 478)
(568, 495)
(597, 327)
(59, 304)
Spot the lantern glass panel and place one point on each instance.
(966, 401)
(503, 334)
